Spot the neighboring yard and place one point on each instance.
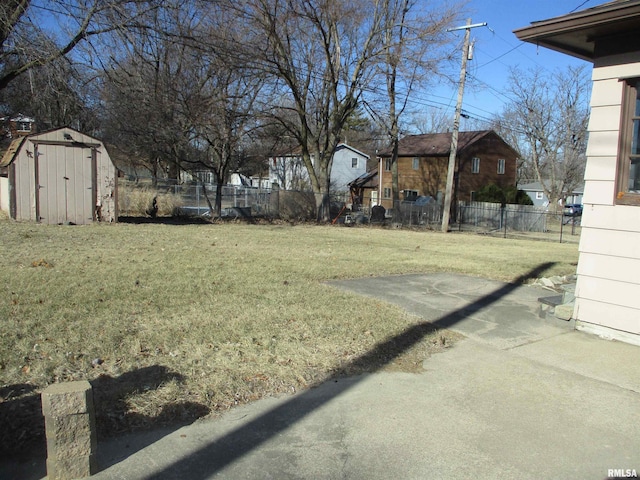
(172, 322)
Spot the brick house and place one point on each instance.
(483, 157)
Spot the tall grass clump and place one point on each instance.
(137, 201)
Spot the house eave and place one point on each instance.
(578, 34)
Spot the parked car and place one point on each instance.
(573, 210)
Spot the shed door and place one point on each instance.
(65, 184)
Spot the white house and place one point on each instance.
(289, 172)
(536, 193)
(608, 286)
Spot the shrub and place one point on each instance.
(493, 193)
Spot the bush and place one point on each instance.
(298, 206)
(495, 194)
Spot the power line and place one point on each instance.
(580, 6)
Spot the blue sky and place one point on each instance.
(497, 49)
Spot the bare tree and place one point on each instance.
(56, 94)
(411, 55)
(27, 39)
(549, 115)
(431, 120)
(319, 54)
(195, 96)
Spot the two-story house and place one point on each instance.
(483, 157)
(288, 171)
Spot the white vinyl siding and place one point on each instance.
(607, 292)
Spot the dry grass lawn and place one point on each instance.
(173, 322)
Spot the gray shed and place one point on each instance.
(60, 176)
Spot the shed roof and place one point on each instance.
(366, 180)
(11, 151)
(604, 29)
(437, 144)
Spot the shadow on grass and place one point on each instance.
(216, 455)
(22, 432)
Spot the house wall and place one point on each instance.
(489, 150)
(290, 173)
(342, 171)
(428, 180)
(608, 287)
(431, 177)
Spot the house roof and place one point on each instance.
(297, 151)
(537, 187)
(366, 180)
(587, 34)
(354, 150)
(436, 144)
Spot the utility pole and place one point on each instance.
(448, 194)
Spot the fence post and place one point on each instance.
(506, 213)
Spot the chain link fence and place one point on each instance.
(508, 221)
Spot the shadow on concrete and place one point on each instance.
(215, 456)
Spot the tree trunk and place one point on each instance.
(323, 201)
(396, 214)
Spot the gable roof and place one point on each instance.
(297, 151)
(438, 144)
(15, 145)
(604, 29)
(354, 150)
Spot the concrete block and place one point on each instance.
(568, 293)
(564, 312)
(67, 398)
(71, 468)
(70, 430)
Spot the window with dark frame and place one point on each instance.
(354, 163)
(628, 178)
(386, 192)
(501, 164)
(387, 165)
